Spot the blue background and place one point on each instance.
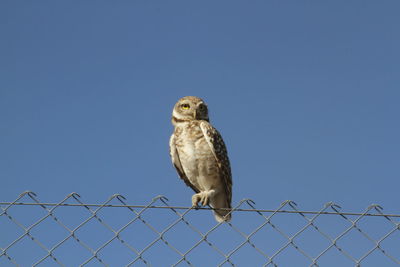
(305, 93)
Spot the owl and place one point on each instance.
(200, 157)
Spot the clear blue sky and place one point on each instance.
(305, 93)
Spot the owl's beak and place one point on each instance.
(195, 114)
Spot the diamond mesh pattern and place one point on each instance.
(115, 233)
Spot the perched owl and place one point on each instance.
(200, 157)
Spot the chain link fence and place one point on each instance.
(114, 233)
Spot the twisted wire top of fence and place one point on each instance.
(115, 233)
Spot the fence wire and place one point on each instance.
(115, 233)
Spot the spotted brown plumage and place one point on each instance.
(199, 155)
(218, 148)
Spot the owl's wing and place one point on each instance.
(177, 163)
(218, 148)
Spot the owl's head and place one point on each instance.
(189, 108)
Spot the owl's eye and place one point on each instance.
(185, 106)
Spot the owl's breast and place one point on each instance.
(191, 145)
(197, 158)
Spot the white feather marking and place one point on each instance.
(177, 115)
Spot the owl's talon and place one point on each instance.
(205, 199)
(195, 200)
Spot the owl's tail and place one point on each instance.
(220, 202)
